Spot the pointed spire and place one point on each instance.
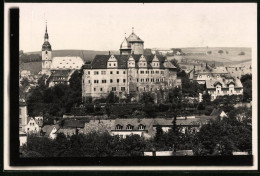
(46, 27)
(133, 29)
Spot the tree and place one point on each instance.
(176, 64)
(209, 52)
(220, 51)
(25, 82)
(206, 98)
(242, 53)
(112, 98)
(147, 98)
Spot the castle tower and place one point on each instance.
(46, 54)
(137, 44)
(125, 47)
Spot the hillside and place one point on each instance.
(86, 55)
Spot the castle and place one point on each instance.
(130, 72)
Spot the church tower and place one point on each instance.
(46, 54)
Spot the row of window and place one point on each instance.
(123, 89)
(105, 81)
(64, 67)
(104, 72)
(117, 72)
(113, 89)
(151, 80)
(130, 127)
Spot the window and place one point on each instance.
(151, 89)
(142, 72)
(137, 71)
(123, 72)
(89, 81)
(141, 127)
(123, 80)
(113, 88)
(114, 64)
(119, 127)
(95, 81)
(117, 80)
(137, 80)
(117, 72)
(104, 81)
(142, 80)
(111, 80)
(101, 89)
(111, 72)
(162, 72)
(122, 88)
(95, 72)
(144, 88)
(152, 72)
(103, 72)
(88, 72)
(129, 127)
(147, 72)
(94, 89)
(147, 79)
(157, 72)
(136, 88)
(20, 111)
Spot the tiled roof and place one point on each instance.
(216, 112)
(148, 123)
(73, 124)
(99, 126)
(210, 84)
(61, 73)
(100, 61)
(134, 38)
(48, 128)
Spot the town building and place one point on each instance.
(127, 73)
(34, 125)
(203, 73)
(224, 86)
(56, 66)
(23, 116)
(50, 131)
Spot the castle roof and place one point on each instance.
(211, 84)
(100, 61)
(125, 44)
(134, 38)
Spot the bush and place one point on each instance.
(164, 107)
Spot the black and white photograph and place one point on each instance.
(134, 80)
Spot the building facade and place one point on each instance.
(23, 116)
(127, 73)
(224, 86)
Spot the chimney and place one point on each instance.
(109, 53)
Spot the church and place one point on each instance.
(130, 72)
(59, 69)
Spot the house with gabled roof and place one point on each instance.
(224, 86)
(50, 131)
(32, 126)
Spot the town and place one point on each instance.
(134, 102)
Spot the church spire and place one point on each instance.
(133, 30)
(46, 36)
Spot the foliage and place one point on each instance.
(220, 51)
(246, 80)
(147, 98)
(90, 145)
(176, 64)
(242, 53)
(56, 100)
(209, 52)
(112, 98)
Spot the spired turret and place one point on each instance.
(46, 54)
(125, 47)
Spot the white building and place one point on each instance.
(32, 126)
(224, 86)
(68, 62)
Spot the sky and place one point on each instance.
(103, 26)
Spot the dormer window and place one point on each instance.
(119, 127)
(141, 127)
(129, 127)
